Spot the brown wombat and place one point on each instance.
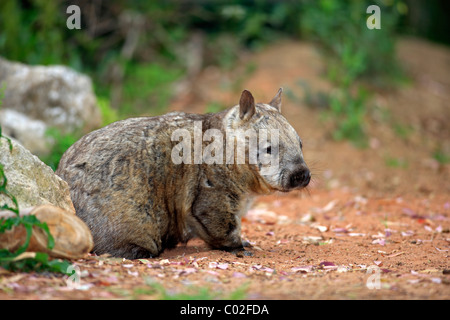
(136, 186)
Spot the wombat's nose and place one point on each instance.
(300, 178)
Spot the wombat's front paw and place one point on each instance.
(240, 251)
(243, 253)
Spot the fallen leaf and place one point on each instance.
(238, 275)
(353, 234)
(412, 214)
(312, 239)
(413, 281)
(436, 280)
(164, 262)
(320, 228)
(430, 271)
(188, 271)
(379, 241)
(222, 266)
(308, 217)
(303, 269)
(12, 279)
(330, 206)
(342, 269)
(25, 255)
(283, 219)
(340, 230)
(144, 261)
(394, 255)
(378, 236)
(326, 264)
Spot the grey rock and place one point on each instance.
(30, 180)
(30, 132)
(55, 95)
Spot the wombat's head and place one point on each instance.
(277, 155)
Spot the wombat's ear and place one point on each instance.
(246, 105)
(276, 101)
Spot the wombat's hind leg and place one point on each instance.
(133, 251)
(138, 252)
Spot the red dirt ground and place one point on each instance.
(360, 214)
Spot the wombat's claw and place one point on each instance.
(242, 253)
(246, 244)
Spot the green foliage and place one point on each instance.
(28, 222)
(348, 112)
(147, 89)
(396, 162)
(440, 156)
(39, 263)
(3, 184)
(60, 143)
(403, 131)
(355, 53)
(109, 115)
(2, 95)
(11, 260)
(34, 34)
(214, 107)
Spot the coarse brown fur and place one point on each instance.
(137, 202)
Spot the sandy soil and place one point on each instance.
(364, 229)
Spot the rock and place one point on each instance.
(30, 132)
(73, 239)
(54, 95)
(31, 181)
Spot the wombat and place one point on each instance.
(128, 184)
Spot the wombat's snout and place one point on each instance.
(300, 178)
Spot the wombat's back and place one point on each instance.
(120, 178)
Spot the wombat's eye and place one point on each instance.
(209, 184)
